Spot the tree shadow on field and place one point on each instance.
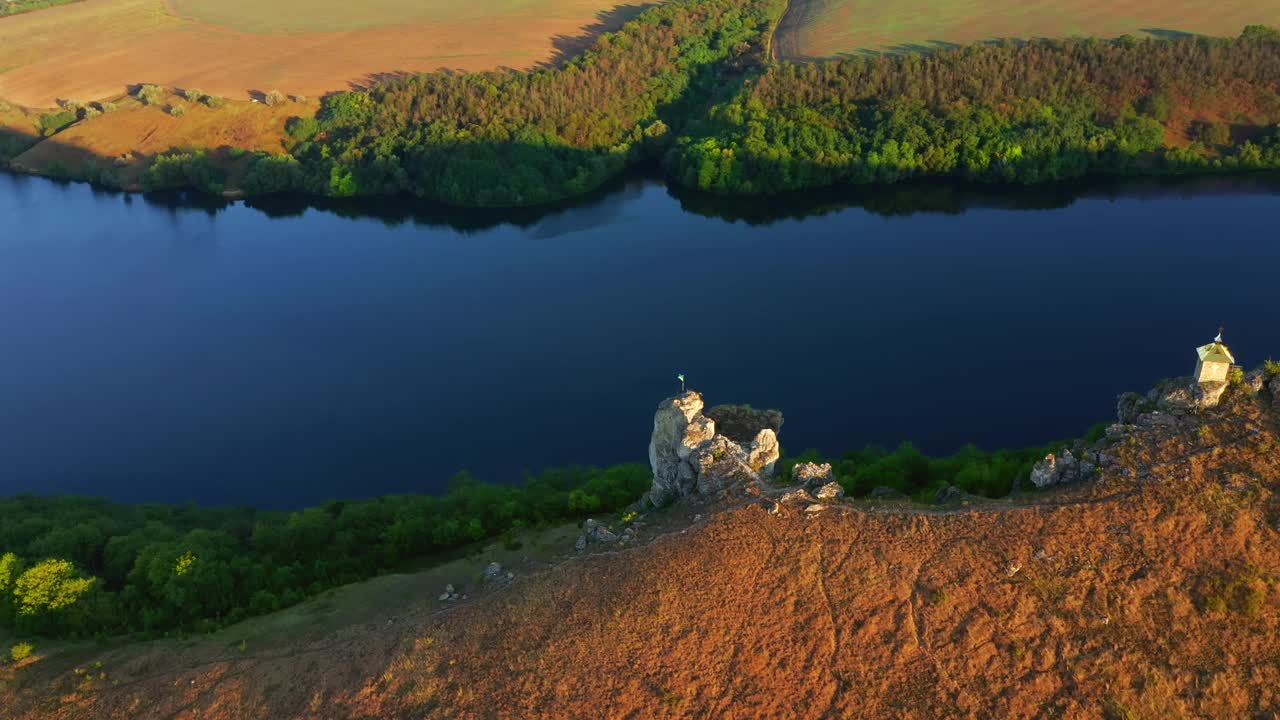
(1167, 34)
(568, 47)
(371, 80)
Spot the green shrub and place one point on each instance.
(193, 95)
(107, 107)
(53, 123)
(150, 94)
(213, 101)
(274, 97)
(1271, 367)
(177, 110)
(21, 651)
(302, 128)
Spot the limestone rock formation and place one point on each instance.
(764, 452)
(743, 423)
(812, 475)
(830, 492)
(1065, 468)
(688, 456)
(669, 450)
(1181, 397)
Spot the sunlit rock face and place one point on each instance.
(689, 455)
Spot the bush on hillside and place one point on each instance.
(53, 123)
(193, 95)
(150, 94)
(177, 110)
(274, 97)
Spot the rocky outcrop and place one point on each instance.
(812, 475)
(689, 456)
(743, 423)
(764, 452)
(671, 445)
(1130, 405)
(1067, 467)
(1181, 397)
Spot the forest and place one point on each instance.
(1012, 112)
(81, 567)
(689, 83)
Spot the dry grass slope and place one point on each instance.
(829, 28)
(1152, 594)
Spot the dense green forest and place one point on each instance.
(15, 7)
(80, 567)
(1018, 112)
(77, 567)
(688, 82)
(519, 138)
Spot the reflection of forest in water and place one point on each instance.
(602, 206)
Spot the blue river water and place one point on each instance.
(278, 354)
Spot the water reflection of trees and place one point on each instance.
(604, 205)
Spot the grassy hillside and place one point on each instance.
(1154, 593)
(831, 28)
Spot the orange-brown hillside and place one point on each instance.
(1149, 594)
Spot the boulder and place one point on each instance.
(1055, 470)
(797, 496)
(831, 492)
(812, 475)
(581, 545)
(764, 452)
(493, 571)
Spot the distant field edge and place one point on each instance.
(819, 29)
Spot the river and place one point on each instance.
(280, 353)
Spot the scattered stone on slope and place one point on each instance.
(831, 492)
(450, 594)
(797, 496)
(812, 475)
(581, 545)
(493, 571)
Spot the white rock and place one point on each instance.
(830, 492)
